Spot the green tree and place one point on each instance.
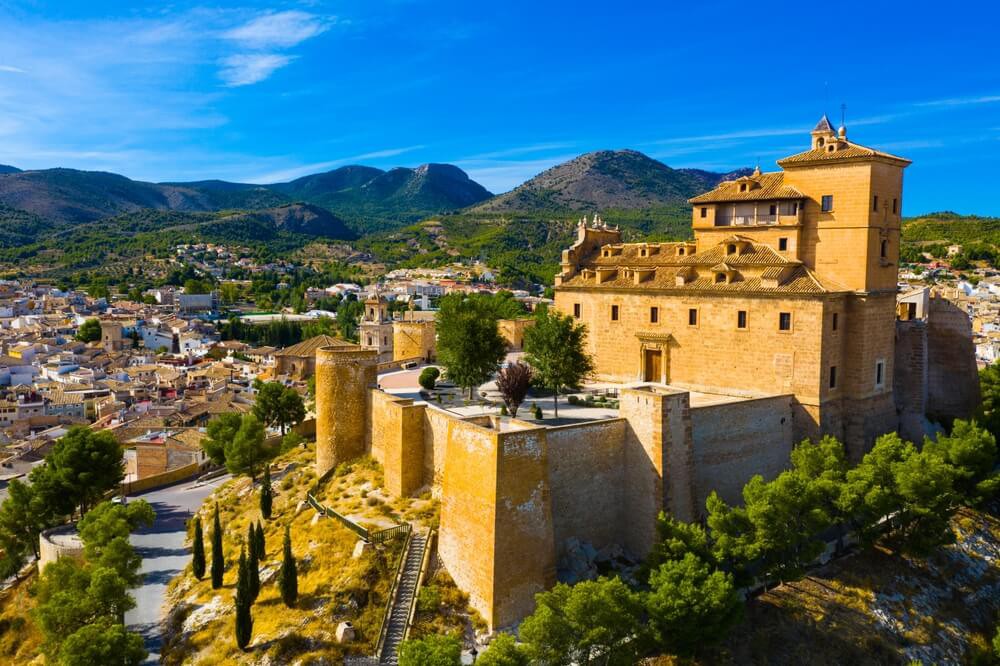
(554, 348)
(592, 620)
(733, 541)
(253, 563)
(503, 651)
(690, 605)
(925, 483)
(266, 494)
(288, 576)
(105, 533)
(87, 464)
(218, 561)
(675, 539)
(870, 493)
(198, 551)
(972, 452)
(104, 642)
(433, 650)
(23, 517)
(89, 331)
(220, 431)
(278, 405)
(245, 452)
(244, 600)
(988, 413)
(469, 343)
(229, 292)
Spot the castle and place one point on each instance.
(776, 323)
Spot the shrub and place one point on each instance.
(428, 377)
(573, 400)
(537, 412)
(429, 599)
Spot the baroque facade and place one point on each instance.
(789, 286)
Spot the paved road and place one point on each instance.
(164, 555)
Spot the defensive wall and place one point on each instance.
(514, 492)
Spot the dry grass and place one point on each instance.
(332, 586)
(20, 639)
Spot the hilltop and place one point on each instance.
(606, 179)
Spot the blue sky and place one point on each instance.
(270, 91)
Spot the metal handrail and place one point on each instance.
(424, 566)
(384, 627)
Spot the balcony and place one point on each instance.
(760, 215)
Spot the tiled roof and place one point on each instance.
(754, 268)
(309, 347)
(848, 152)
(767, 186)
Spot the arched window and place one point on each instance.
(884, 250)
(731, 248)
(720, 277)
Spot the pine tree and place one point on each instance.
(244, 620)
(218, 563)
(266, 496)
(253, 572)
(288, 577)
(198, 551)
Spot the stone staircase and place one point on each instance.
(403, 599)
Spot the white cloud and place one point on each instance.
(11, 69)
(247, 68)
(521, 150)
(278, 30)
(961, 101)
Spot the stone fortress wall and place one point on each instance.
(514, 493)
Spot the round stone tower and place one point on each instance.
(344, 375)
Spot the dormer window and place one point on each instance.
(743, 187)
(720, 278)
(731, 248)
(680, 251)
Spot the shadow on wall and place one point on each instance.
(952, 375)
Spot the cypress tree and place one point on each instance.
(261, 543)
(198, 551)
(288, 577)
(253, 572)
(244, 620)
(218, 563)
(266, 496)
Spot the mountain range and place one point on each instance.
(403, 216)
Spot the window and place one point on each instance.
(827, 203)
(875, 203)
(884, 249)
(833, 376)
(774, 209)
(895, 206)
(654, 315)
(385, 340)
(680, 252)
(879, 373)
(834, 323)
(576, 310)
(693, 317)
(743, 187)
(614, 313)
(782, 244)
(741, 319)
(704, 211)
(784, 321)
(731, 249)
(720, 278)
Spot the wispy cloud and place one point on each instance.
(246, 68)
(279, 30)
(521, 150)
(962, 101)
(11, 69)
(291, 173)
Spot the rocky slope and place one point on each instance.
(606, 179)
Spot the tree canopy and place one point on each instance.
(469, 343)
(245, 452)
(86, 464)
(554, 348)
(89, 331)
